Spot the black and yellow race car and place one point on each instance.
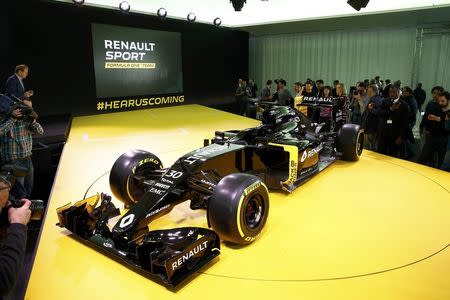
(229, 178)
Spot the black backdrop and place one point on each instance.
(55, 40)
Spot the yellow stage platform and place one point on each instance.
(375, 229)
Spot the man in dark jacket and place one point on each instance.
(407, 96)
(420, 96)
(436, 134)
(387, 88)
(333, 91)
(393, 125)
(12, 250)
(14, 85)
(432, 129)
(370, 118)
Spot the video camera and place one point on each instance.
(9, 104)
(9, 173)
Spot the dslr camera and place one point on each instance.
(9, 104)
(9, 172)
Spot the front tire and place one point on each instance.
(350, 142)
(238, 208)
(130, 164)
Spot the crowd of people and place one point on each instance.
(18, 124)
(386, 110)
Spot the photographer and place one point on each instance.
(431, 127)
(437, 137)
(12, 250)
(370, 118)
(446, 164)
(359, 103)
(16, 142)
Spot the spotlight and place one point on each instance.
(124, 6)
(358, 4)
(78, 2)
(238, 4)
(217, 22)
(191, 17)
(162, 12)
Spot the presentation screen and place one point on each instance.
(133, 62)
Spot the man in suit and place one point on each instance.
(14, 85)
(393, 128)
(388, 86)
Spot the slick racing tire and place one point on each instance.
(350, 142)
(129, 164)
(238, 208)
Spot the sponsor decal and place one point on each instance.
(318, 99)
(162, 186)
(147, 160)
(308, 154)
(252, 187)
(157, 191)
(292, 171)
(120, 54)
(167, 181)
(197, 249)
(126, 221)
(157, 210)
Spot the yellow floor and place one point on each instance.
(352, 219)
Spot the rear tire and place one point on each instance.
(238, 208)
(129, 164)
(350, 142)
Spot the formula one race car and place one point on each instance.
(229, 177)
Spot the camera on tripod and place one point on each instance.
(9, 104)
(9, 172)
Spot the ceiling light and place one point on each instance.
(78, 2)
(191, 17)
(217, 22)
(124, 6)
(162, 12)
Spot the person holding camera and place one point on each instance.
(446, 164)
(431, 127)
(13, 245)
(359, 103)
(16, 143)
(242, 94)
(437, 134)
(370, 118)
(14, 87)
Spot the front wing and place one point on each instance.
(171, 255)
